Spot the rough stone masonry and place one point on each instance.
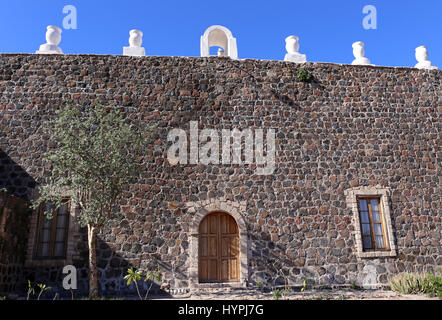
(352, 127)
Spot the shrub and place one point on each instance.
(303, 75)
(433, 284)
(414, 283)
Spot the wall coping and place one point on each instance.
(213, 58)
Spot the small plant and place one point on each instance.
(407, 283)
(277, 294)
(136, 275)
(286, 283)
(260, 286)
(43, 288)
(30, 291)
(353, 285)
(307, 284)
(157, 275)
(414, 283)
(3, 298)
(72, 293)
(303, 75)
(133, 276)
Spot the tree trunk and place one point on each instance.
(93, 272)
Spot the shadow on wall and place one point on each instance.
(112, 268)
(14, 178)
(15, 187)
(14, 222)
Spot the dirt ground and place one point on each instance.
(345, 294)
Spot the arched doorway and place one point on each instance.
(218, 256)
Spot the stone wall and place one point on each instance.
(14, 222)
(353, 126)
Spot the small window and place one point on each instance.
(372, 224)
(372, 221)
(52, 233)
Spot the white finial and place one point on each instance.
(292, 47)
(135, 41)
(358, 53)
(219, 36)
(421, 55)
(53, 38)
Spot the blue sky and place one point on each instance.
(326, 28)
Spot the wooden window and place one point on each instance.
(52, 233)
(372, 224)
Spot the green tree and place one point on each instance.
(95, 156)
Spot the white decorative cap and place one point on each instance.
(135, 38)
(421, 54)
(292, 47)
(358, 53)
(53, 38)
(135, 41)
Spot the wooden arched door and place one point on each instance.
(218, 259)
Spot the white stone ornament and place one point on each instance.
(358, 53)
(292, 47)
(421, 55)
(219, 36)
(53, 38)
(135, 41)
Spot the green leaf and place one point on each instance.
(97, 156)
